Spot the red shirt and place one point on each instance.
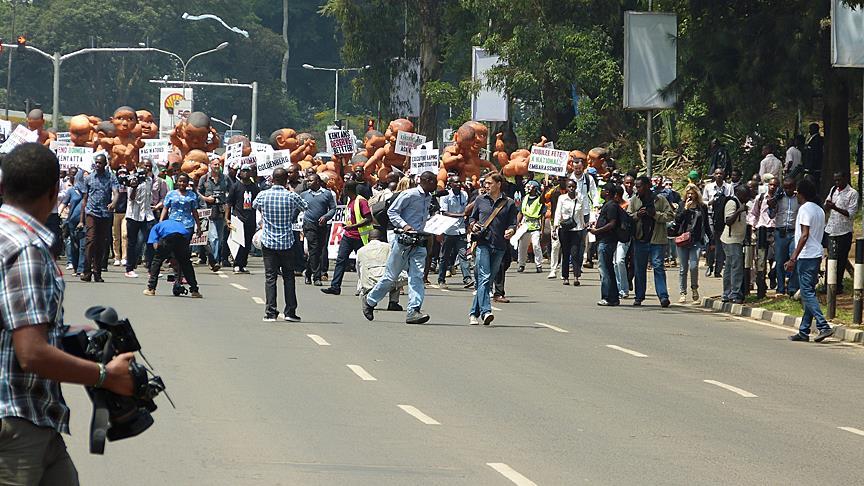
(364, 211)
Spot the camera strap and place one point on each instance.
(495, 211)
(27, 227)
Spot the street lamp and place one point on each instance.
(14, 4)
(335, 70)
(229, 125)
(204, 53)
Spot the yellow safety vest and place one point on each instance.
(358, 216)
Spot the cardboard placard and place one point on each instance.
(423, 160)
(261, 148)
(200, 237)
(233, 151)
(340, 142)
(64, 137)
(19, 136)
(336, 232)
(5, 130)
(155, 149)
(406, 142)
(266, 163)
(548, 161)
(70, 156)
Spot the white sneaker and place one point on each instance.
(473, 320)
(69, 266)
(682, 299)
(237, 270)
(488, 318)
(131, 274)
(269, 319)
(116, 263)
(443, 286)
(551, 275)
(123, 262)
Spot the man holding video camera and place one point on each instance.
(33, 413)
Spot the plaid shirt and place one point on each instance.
(31, 293)
(279, 210)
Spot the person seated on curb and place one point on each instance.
(371, 265)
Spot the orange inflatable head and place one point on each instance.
(284, 139)
(148, 126)
(81, 131)
(35, 119)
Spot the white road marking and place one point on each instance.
(258, 300)
(511, 474)
(734, 389)
(222, 275)
(550, 326)
(363, 374)
(628, 351)
(414, 412)
(318, 340)
(496, 309)
(444, 290)
(238, 286)
(853, 430)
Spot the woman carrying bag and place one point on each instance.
(693, 230)
(569, 227)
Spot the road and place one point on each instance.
(557, 392)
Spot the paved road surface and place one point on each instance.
(557, 392)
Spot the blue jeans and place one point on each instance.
(688, 261)
(606, 250)
(487, 261)
(641, 254)
(808, 275)
(733, 273)
(346, 246)
(453, 250)
(215, 235)
(414, 258)
(621, 277)
(784, 246)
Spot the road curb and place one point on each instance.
(841, 332)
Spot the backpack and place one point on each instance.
(379, 206)
(626, 226)
(718, 209)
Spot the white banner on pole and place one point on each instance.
(20, 135)
(650, 59)
(423, 160)
(489, 104)
(155, 149)
(548, 161)
(847, 35)
(406, 142)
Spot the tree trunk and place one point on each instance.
(835, 115)
(549, 124)
(429, 12)
(284, 73)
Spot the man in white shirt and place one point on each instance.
(763, 225)
(841, 204)
(770, 164)
(809, 226)
(713, 194)
(793, 154)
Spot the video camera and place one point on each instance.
(138, 177)
(115, 417)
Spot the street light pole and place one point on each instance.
(9, 66)
(336, 94)
(186, 64)
(336, 99)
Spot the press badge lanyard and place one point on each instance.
(20, 222)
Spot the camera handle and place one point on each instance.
(98, 421)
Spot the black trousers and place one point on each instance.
(506, 260)
(572, 246)
(316, 238)
(98, 232)
(274, 262)
(136, 236)
(176, 246)
(844, 245)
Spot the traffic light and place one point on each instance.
(22, 43)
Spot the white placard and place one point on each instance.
(407, 141)
(200, 237)
(233, 151)
(489, 104)
(261, 148)
(5, 129)
(265, 164)
(650, 57)
(70, 156)
(439, 224)
(847, 35)
(423, 160)
(237, 238)
(336, 231)
(55, 144)
(64, 137)
(339, 142)
(548, 161)
(20, 135)
(155, 149)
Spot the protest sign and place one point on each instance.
(250, 160)
(336, 232)
(70, 156)
(5, 130)
(548, 161)
(55, 144)
(155, 149)
(266, 163)
(200, 237)
(423, 160)
(439, 224)
(233, 151)
(406, 142)
(339, 142)
(20, 135)
(64, 137)
(261, 148)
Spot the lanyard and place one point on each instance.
(20, 222)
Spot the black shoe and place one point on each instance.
(664, 303)
(368, 310)
(824, 335)
(292, 318)
(521, 269)
(799, 338)
(307, 280)
(317, 283)
(708, 272)
(469, 285)
(416, 317)
(637, 303)
(332, 291)
(393, 306)
(98, 278)
(86, 278)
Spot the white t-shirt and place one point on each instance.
(810, 214)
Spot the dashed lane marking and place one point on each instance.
(496, 309)
(363, 374)
(222, 275)
(318, 340)
(238, 286)
(414, 412)
(628, 351)
(511, 474)
(550, 326)
(258, 300)
(853, 430)
(733, 389)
